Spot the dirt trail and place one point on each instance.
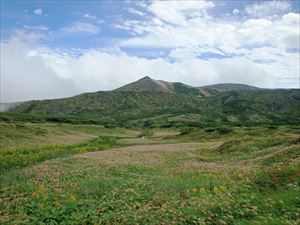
(158, 155)
(150, 155)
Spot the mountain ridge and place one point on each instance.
(224, 87)
(148, 84)
(164, 102)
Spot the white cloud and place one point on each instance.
(236, 11)
(88, 16)
(198, 32)
(100, 21)
(136, 12)
(28, 36)
(265, 43)
(79, 27)
(260, 50)
(89, 71)
(102, 69)
(38, 11)
(292, 41)
(39, 27)
(268, 8)
(176, 12)
(24, 76)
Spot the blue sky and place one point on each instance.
(81, 46)
(56, 15)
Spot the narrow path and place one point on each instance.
(150, 155)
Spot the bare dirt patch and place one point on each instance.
(147, 155)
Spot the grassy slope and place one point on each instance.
(245, 175)
(111, 106)
(25, 144)
(17, 135)
(264, 107)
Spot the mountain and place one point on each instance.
(162, 103)
(225, 87)
(147, 84)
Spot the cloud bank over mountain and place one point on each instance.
(195, 42)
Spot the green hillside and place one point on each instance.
(276, 106)
(158, 156)
(156, 103)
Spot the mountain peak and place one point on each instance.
(146, 78)
(145, 84)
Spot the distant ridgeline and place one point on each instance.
(149, 103)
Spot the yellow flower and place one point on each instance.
(223, 188)
(57, 203)
(201, 190)
(40, 188)
(240, 175)
(215, 189)
(73, 198)
(194, 190)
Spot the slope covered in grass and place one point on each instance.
(264, 107)
(247, 175)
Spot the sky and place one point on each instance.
(55, 49)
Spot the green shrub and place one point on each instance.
(146, 133)
(230, 146)
(224, 130)
(220, 130)
(186, 130)
(209, 130)
(275, 177)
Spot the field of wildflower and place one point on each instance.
(248, 175)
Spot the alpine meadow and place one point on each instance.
(150, 112)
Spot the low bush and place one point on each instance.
(146, 133)
(224, 130)
(186, 130)
(276, 177)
